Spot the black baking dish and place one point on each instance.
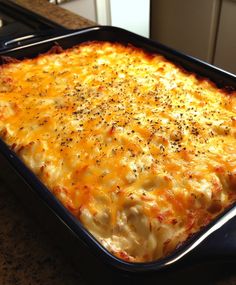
(210, 247)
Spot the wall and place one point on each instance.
(133, 15)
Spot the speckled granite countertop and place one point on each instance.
(29, 255)
(55, 13)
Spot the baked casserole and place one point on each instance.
(141, 151)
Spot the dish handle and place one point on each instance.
(27, 39)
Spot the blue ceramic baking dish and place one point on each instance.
(214, 241)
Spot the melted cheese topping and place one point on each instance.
(142, 152)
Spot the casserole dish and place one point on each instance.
(223, 80)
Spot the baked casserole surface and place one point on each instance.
(141, 151)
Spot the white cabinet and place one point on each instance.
(132, 15)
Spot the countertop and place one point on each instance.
(29, 254)
(55, 13)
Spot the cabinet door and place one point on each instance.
(225, 54)
(186, 25)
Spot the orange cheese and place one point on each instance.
(140, 151)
